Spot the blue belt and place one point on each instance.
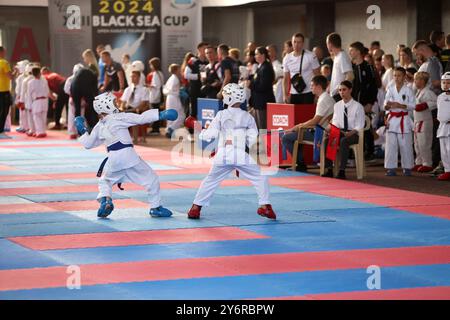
(114, 147)
(118, 146)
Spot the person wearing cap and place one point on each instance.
(123, 164)
(443, 133)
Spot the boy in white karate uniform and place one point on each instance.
(38, 94)
(71, 105)
(235, 129)
(25, 99)
(443, 133)
(23, 120)
(123, 163)
(399, 100)
(172, 91)
(423, 122)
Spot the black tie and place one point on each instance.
(345, 118)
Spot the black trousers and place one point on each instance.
(344, 150)
(304, 98)
(90, 114)
(369, 141)
(61, 101)
(157, 124)
(5, 104)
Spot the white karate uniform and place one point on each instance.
(172, 91)
(25, 99)
(123, 165)
(443, 133)
(395, 138)
(240, 127)
(38, 93)
(278, 86)
(423, 127)
(23, 119)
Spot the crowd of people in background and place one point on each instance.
(393, 97)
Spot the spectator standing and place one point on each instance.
(155, 87)
(261, 85)
(310, 67)
(91, 62)
(342, 65)
(114, 75)
(56, 85)
(229, 68)
(5, 90)
(278, 69)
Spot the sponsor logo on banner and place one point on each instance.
(281, 120)
(208, 114)
(182, 4)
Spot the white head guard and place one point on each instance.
(138, 65)
(445, 76)
(104, 103)
(232, 94)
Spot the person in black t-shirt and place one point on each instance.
(211, 84)
(114, 75)
(193, 71)
(364, 91)
(229, 68)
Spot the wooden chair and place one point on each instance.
(357, 148)
(300, 140)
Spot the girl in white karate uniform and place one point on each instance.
(399, 100)
(123, 163)
(235, 129)
(38, 93)
(443, 133)
(172, 91)
(423, 123)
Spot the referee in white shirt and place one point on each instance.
(348, 116)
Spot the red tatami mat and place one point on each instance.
(66, 206)
(439, 211)
(18, 279)
(92, 240)
(424, 293)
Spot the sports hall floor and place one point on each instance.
(327, 234)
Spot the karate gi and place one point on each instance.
(240, 127)
(423, 127)
(23, 119)
(443, 133)
(38, 93)
(25, 99)
(399, 128)
(123, 164)
(172, 91)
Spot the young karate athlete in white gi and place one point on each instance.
(39, 93)
(399, 100)
(25, 99)
(23, 120)
(423, 122)
(235, 128)
(123, 163)
(443, 133)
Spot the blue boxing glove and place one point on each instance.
(170, 115)
(80, 125)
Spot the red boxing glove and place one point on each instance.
(421, 106)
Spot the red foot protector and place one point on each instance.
(18, 279)
(92, 240)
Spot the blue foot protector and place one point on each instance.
(160, 212)
(106, 207)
